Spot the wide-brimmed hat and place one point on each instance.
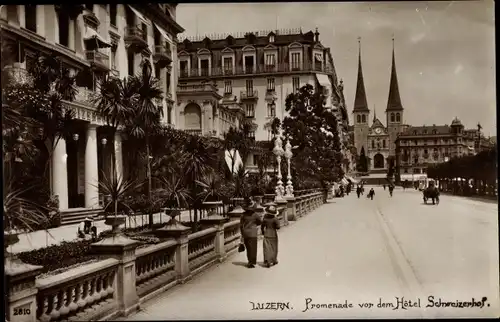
(88, 219)
(248, 205)
(271, 210)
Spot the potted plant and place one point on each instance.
(175, 196)
(116, 191)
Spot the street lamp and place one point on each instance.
(288, 156)
(278, 152)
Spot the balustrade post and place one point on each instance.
(21, 303)
(283, 207)
(122, 249)
(220, 249)
(291, 213)
(181, 257)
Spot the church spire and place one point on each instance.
(360, 102)
(394, 99)
(374, 113)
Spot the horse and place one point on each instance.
(431, 192)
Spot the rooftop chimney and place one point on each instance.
(316, 35)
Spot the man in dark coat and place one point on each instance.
(249, 226)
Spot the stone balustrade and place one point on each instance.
(126, 276)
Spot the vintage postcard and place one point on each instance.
(192, 161)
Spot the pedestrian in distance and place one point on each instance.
(270, 226)
(249, 227)
(358, 191)
(383, 186)
(391, 189)
(371, 194)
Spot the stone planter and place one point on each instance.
(9, 239)
(173, 228)
(115, 222)
(213, 218)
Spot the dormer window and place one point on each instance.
(271, 38)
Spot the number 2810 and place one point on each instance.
(22, 311)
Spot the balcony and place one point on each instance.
(271, 95)
(249, 94)
(162, 56)
(136, 39)
(98, 60)
(196, 88)
(85, 95)
(254, 70)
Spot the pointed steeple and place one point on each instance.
(394, 100)
(374, 113)
(360, 102)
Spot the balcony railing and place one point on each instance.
(98, 58)
(260, 69)
(249, 94)
(163, 53)
(85, 95)
(197, 88)
(135, 32)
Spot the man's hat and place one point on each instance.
(248, 205)
(271, 210)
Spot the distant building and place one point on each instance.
(250, 76)
(420, 146)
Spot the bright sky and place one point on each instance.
(445, 51)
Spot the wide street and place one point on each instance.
(357, 251)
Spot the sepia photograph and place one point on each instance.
(249, 161)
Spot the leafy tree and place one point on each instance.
(312, 128)
(362, 164)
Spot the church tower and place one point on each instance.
(394, 111)
(360, 111)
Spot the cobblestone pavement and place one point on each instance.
(356, 251)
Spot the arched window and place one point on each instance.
(373, 144)
(392, 117)
(378, 161)
(383, 143)
(398, 117)
(434, 132)
(363, 117)
(358, 118)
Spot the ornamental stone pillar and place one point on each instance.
(91, 168)
(60, 173)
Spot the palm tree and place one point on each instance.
(145, 114)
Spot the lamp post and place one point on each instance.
(288, 156)
(278, 152)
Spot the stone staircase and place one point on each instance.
(77, 215)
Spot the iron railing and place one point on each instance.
(259, 69)
(97, 57)
(136, 31)
(246, 94)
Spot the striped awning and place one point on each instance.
(138, 14)
(163, 33)
(91, 35)
(318, 57)
(344, 181)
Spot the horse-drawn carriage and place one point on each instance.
(431, 192)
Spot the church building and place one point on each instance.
(377, 140)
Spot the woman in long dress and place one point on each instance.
(270, 226)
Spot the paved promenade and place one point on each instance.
(357, 252)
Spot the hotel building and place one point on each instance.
(105, 39)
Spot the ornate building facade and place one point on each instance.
(249, 76)
(377, 140)
(106, 40)
(421, 146)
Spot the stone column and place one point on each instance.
(91, 170)
(21, 15)
(118, 155)
(291, 209)
(60, 173)
(122, 249)
(40, 20)
(71, 34)
(283, 207)
(181, 258)
(21, 298)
